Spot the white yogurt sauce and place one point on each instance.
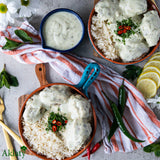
(150, 27)
(60, 99)
(131, 8)
(62, 31)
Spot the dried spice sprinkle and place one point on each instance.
(56, 122)
(125, 29)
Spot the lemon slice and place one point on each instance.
(152, 75)
(147, 87)
(156, 53)
(151, 68)
(155, 63)
(155, 57)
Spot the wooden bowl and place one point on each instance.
(151, 6)
(44, 84)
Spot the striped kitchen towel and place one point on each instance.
(138, 117)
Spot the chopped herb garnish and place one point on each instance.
(56, 122)
(125, 28)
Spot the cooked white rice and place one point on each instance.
(43, 142)
(69, 140)
(103, 39)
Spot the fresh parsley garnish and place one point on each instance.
(7, 79)
(11, 45)
(56, 122)
(126, 28)
(132, 72)
(154, 147)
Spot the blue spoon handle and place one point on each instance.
(87, 79)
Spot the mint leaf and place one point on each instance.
(154, 147)
(11, 79)
(148, 149)
(7, 79)
(10, 45)
(157, 152)
(132, 72)
(5, 82)
(1, 82)
(23, 35)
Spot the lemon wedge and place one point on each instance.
(155, 57)
(151, 68)
(147, 87)
(155, 63)
(151, 75)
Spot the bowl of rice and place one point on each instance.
(124, 31)
(58, 120)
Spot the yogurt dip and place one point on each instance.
(62, 30)
(60, 100)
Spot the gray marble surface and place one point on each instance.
(28, 81)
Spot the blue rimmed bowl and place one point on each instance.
(43, 22)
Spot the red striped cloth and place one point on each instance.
(138, 117)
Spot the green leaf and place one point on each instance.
(12, 80)
(7, 79)
(1, 82)
(152, 147)
(157, 152)
(138, 72)
(148, 149)
(10, 45)
(23, 35)
(5, 82)
(132, 72)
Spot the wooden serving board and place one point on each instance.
(41, 75)
(94, 52)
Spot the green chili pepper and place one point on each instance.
(121, 124)
(120, 121)
(121, 106)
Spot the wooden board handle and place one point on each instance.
(41, 74)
